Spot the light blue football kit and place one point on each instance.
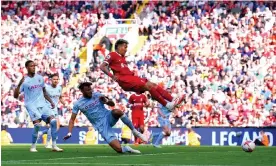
(103, 120)
(36, 104)
(54, 94)
(163, 121)
(34, 99)
(100, 117)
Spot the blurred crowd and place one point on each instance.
(53, 35)
(220, 54)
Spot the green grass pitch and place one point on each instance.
(168, 155)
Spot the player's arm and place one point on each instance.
(147, 103)
(130, 102)
(107, 101)
(71, 126)
(62, 100)
(47, 97)
(105, 68)
(17, 89)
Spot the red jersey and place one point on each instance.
(118, 64)
(138, 102)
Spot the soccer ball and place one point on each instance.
(248, 146)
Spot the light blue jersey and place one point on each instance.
(100, 117)
(34, 99)
(92, 108)
(54, 93)
(32, 88)
(164, 111)
(164, 121)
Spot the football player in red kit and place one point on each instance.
(129, 82)
(137, 102)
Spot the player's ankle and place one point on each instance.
(54, 144)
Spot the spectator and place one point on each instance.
(221, 56)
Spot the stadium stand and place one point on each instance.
(221, 54)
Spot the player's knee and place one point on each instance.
(119, 150)
(50, 118)
(150, 85)
(37, 121)
(167, 133)
(53, 121)
(117, 113)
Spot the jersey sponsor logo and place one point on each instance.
(35, 87)
(54, 96)
(90, 105)
(138, 104)
(123, 65)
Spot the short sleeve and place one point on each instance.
(60, 89)
(21, 88)
(108, 59)
(75, 108)
(42, 82)
(130, 99)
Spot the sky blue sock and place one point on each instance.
(53, 124)
(45, 131)
(159, 139)
(35, 132)
(127, 122)
(49, 135)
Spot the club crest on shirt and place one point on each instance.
(108, 57)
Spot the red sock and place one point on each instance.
(164, 93)
(156, 96)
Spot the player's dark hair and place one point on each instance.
(84, 84)
(120, 42)
(28, 62)
(54, 75)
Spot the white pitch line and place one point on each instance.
(91, 157)
(134, 155)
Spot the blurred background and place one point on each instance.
(221, 54)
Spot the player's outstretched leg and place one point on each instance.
(115, 144)
(166, 132)
(53, 123)
(120, 114)
(161, 95)
(37, 126)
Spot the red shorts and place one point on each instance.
(132, 83)
(138, 119)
